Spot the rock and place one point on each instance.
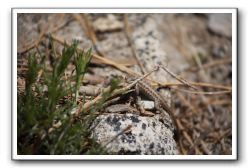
(107, 24)
(220, 24)
(147, 104)
(147, 136)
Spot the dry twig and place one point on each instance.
(213, 63)
(131, 72)
(200, 84)
(34, 44)
(204, 93)
(120, 133)
(177, 77)
(128, 36)
(116, 92)
(186, 135)
(88, 29)
(43, 33)
(186, 102)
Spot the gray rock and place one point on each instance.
(110, 23)
(147, 136)
(220, 23)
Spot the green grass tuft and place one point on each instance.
(45, 125)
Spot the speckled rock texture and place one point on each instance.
(147, 136)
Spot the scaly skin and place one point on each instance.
(160, 104)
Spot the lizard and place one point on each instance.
(166, 114)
